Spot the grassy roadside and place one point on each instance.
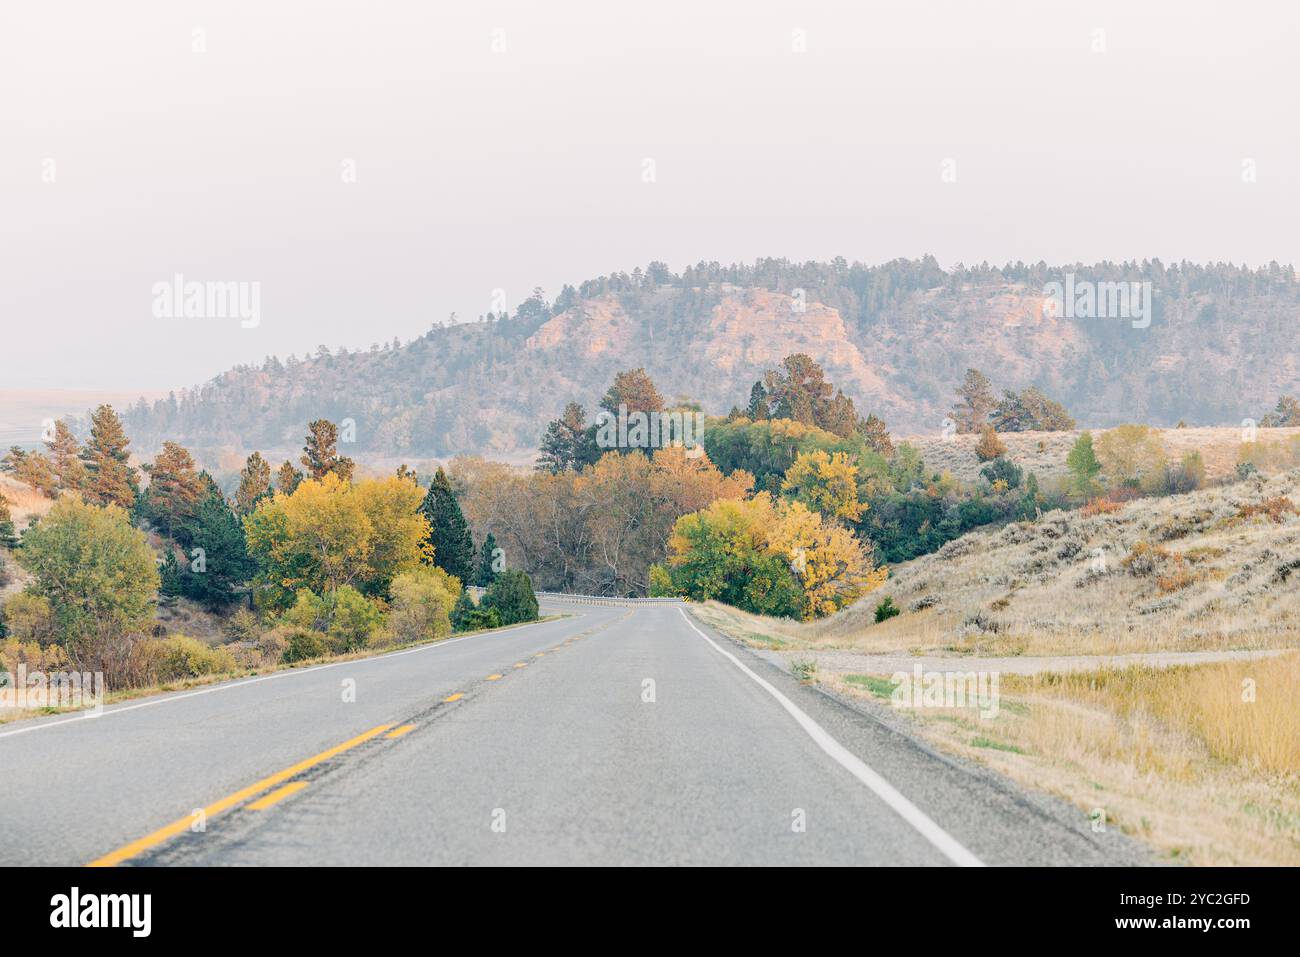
(128, 694)
(1200, 762)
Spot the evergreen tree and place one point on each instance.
(565, 447)
(453, 548)
(873, 429)
(254, 482)
(320, 454)
(32, 469)
(977, 402)
(69, 471)
(110, 480)
(218, 563)
(758, 407)
(174, 489)
(512, 597)
(487, 563)
(287, 479)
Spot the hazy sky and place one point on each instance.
(127, 155)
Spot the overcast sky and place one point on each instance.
(133, 148)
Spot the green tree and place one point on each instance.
(110, 480)
(758, 406)
(421, 605)
(453, 548)
(873, 429)
(1030, 411)
(8, 538)
(1285, 413)
(97, 572)
(218, 564)
(512, 597)
(1084, 467)
(568, 444)
(489, 563)
(320, 455)
(254, 483)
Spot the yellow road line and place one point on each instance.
(493, 677)
(520, 664)
(455, 697)
(135, 848)
(398, 732)
(276, 796)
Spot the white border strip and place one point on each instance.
(905, 809)
(285, 673)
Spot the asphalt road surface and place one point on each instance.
(624, 734)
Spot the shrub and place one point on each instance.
(1003, 470)
(29, 617)
(512, 596)
(989, 446)
(1276, 509)
(180, 656)
(353, 618)
(477, 618)
(886, 609)
(462, 608)
(303, 645)
(243, 625)
(1144, 558)
(422, 604)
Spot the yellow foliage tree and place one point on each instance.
(328, 533)
(826, 483)
(1131, 456)
(831, 564)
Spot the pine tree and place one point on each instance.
(110, 480)
(453, 548)
(320, 454)
(564, 447)
(174, 489)
(287, 479)
(69, 471)
(977, 402)
(254, 482)
(487, 563)
(873, 429)
(32, 469)
(757, 409)
(218, 563)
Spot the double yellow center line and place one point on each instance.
(180, 826)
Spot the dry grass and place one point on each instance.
(1180, 757)
(1214, 570)
(1044, 453)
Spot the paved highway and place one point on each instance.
(618, 735)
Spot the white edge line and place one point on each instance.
(286, 673)
(904, 808)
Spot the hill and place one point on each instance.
(1220, 346)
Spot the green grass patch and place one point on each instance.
(980, 742)
(880, 687)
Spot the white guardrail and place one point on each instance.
(575, 599)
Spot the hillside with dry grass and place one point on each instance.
(1195, 748)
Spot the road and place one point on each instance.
(617, 735)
